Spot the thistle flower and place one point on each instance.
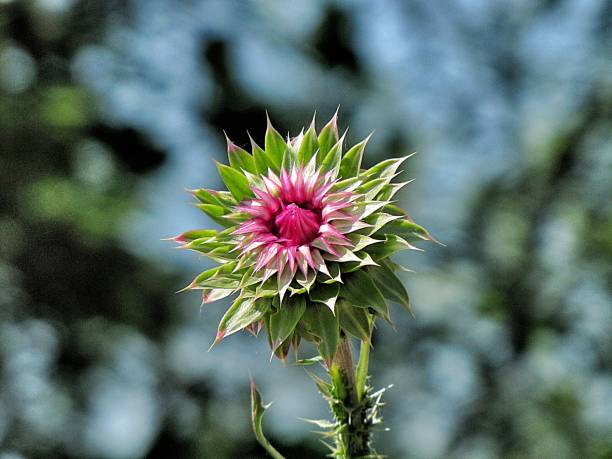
(307, 239)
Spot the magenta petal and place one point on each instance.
(302, 264)
(271, 186)
(296, 224)
(265, 256)
(329, 208)
(291, 221)
(305, 252)
(250, 227)
(329, 229)
(300, 188)
(323, 244)
(338, 215)
(291, 254)
(286, 186)
(319, 262)
(310, 186)
(270, 202)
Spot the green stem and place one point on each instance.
(350, 410)
(270, 449)
(362, 369)
(343, 362)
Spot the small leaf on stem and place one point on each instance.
(257, 411)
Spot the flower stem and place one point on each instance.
(343, 361)
(362, 369)
(350, 404)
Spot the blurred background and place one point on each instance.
(110, 109)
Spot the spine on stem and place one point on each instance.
(354, 407)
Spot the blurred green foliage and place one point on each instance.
(108, 109)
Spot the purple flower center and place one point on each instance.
(297, 226)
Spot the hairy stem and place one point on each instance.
(343, 361)
(349, 407)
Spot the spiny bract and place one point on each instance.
(307, 239)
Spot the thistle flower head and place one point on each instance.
(296, 223)
(307, 239)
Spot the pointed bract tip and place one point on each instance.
(206, 296)
(296, 351)
(334, 119)
(231, 146)
(429, 237)
(251, 330)
(189, 287)
(251, 381)
(333, 122)
(313, 122)
(180, 238)
(253, 143)
(218, 338)
(343, 136)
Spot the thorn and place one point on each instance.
(333, 122)
(184, 289)
(335, 117)
(276, 344)
(180, 238)
(251, 380)
(218, 338)
(231, 146)
(429, 237)
(415, 248)
(341, 140)
(409, 309)
(253, 143)
(250, 329)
